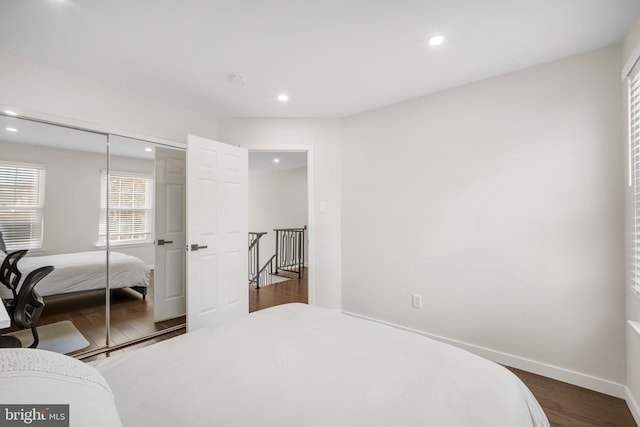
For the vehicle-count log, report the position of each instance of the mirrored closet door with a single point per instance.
(50, 207)
(108, 213)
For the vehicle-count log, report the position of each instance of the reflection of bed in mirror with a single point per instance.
(85, 271)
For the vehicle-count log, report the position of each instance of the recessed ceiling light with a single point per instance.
(276, 160)
(436, 40)
(12, 129)
(148, 149)
(283, 98)
(10, 113)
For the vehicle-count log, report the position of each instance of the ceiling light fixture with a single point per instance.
(12, 129)
(436, 40)
(10, 113)
(237, 79)
(283, 98)
(148, 149)
(276, 160)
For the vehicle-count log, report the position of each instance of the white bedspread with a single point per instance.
(39, 377)
(296, 365)
(83, 271)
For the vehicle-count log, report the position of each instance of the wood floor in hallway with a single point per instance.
(293, 290)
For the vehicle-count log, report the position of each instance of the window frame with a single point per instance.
(148, 210)
(36, 242)
(633, 129)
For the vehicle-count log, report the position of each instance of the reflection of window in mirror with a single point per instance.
(130, 215)
(65, 219)
(22, 187)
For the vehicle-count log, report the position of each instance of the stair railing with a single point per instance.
(290, 249)
(254, 256)
(265, 275)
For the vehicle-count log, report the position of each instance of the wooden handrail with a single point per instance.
(290, 229)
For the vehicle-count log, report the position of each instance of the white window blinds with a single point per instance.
(21, 205)
(130, 208)
(634, 171)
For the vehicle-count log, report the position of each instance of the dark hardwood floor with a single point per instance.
(566, 405)
(131, 317)
(293, 290)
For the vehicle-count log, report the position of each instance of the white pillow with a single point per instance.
(39, 377)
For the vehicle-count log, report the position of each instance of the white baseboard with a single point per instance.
(561, 374)
(632, 404)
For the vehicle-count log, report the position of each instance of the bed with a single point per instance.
(85, 271)
(297, 365)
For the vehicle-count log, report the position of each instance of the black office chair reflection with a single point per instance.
(10, 275)
(28, 308)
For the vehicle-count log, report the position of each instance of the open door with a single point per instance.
(170, 230)
(217, 227)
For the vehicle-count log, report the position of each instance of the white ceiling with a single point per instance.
(263, 161)
(332, 57)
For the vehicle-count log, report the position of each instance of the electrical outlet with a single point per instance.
(416, 301)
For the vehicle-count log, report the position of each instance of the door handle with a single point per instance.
(195, 247)
(164, 242)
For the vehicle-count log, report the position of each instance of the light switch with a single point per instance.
(416, 301)
(323, 207)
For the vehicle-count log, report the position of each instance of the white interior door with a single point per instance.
(169, 279)
(217, 226)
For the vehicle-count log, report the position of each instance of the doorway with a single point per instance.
(280, 198)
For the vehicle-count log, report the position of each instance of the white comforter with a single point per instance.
(83, 271)
(32, 377)
(296, 365)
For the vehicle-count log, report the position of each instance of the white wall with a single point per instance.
(324, 137)
(501, 203)
(631, 42)
(72, 195)
(35, 87)
(277, 200)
